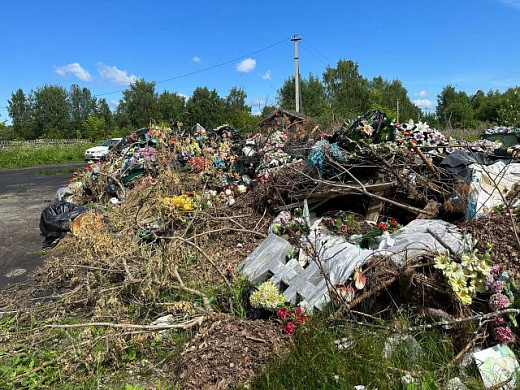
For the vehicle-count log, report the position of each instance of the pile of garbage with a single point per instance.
(502, 130)
(373, 216)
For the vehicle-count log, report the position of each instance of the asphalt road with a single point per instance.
(24, 193)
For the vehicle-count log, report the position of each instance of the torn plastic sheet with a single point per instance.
(490, 184)
(339, 258)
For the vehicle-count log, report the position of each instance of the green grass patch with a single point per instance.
(36, 155)
(315, 362)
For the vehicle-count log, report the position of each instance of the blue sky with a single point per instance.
(472, 44)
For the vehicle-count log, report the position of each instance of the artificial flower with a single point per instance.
(441, 261)
(267, 296)
(499, 301)
(497, 287)
(464, 297)
(289, 328)
(504, 334)
(359, 279)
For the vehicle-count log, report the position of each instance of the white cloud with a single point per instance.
(423, 103)
(421, 94)
(186, 97)
(196, 59)
(267, 75)
(114, 103)
(511, 3)
(75, 69)
(256, 112)
(258, 102)
(247, 65)
(115, 75)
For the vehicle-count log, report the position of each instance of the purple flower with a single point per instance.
(495, 269)
(503, 334)
(497, 287)
(499, 302)
(489, 280)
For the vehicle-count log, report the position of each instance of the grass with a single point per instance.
(36, 155)
(314, 362)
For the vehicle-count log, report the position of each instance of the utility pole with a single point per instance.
(295, 39)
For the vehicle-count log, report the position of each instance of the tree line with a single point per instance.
(457, 109)
(52, 111)
(341, 94)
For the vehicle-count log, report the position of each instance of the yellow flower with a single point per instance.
(458, 283)
(465, 260)
(464, 297)
(454, 270)
(469, 273)
(441, 261)
(483, 267)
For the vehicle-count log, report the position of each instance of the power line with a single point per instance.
(314, 55)
(319, 52)
(200, 70)
(205, 69)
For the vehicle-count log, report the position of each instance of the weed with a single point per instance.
(35, 155)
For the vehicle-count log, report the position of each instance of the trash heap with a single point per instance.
(375, 216)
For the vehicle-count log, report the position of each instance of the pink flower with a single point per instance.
(298, 311)
(489, 280)
(289, 328)
(344, 229)
(499, 321)
(283, 314)
(503, 334)
(499, 302)
(495, 269)
(498, 286)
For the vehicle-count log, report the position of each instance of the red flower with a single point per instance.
(344, 229)
(134, 137)
(190, 193)
(298, 311)
(393, 223)
(172, 140)
(302, 320)
(289, 328)
(382, 226)
(329, 222)
(283, 314)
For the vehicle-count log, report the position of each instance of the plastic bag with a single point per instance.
(56, 218)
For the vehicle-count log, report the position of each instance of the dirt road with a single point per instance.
(24, 193)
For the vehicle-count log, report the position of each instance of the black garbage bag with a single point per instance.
(56, 218)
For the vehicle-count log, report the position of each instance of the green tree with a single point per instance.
(81, 106)
(313, 98)
(19, 110)
(206, 107)
(237, 112)
(454, 108)
(384, 95)
(138, 105)
(172, 107)
(50, 110)
(509, 111)
(94, 128)
(103, 111)
(346, 90)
